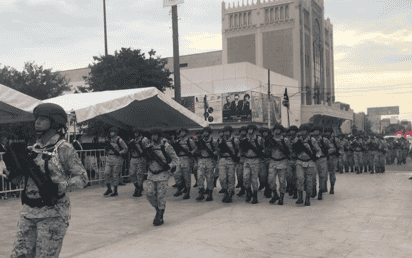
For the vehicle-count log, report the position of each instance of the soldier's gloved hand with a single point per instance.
(117, 153)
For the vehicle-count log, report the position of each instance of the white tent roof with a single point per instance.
(16, 106)
(144, 108)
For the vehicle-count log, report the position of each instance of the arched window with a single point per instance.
(271, 14)
(240, 20)
(235, 20)
(287, 12)
(231, 21)
(317, 57)
(282, 13)
(249, 18)
(277, 14)
(244, 19)
(266, 15)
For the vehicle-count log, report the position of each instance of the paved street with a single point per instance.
(369, 216)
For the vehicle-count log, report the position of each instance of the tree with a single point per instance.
(34, 81)
(127, 69)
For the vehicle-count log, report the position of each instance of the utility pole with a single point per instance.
(176, 62)
(269, 99)
(105, 29)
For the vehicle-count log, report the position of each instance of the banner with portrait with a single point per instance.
(209, 107)
(275, 109)
(237, 106)
(257, 106)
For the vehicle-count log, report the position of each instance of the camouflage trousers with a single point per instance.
(388, 157)
(137, 170)
(342, 161)
(195, 167)
(156, 193)
(399, 155)
(239, 170)
(322, 170)
(250, 173)
(393, 155)
(206, 171)
(227, 173)
(183, 174)
(373, 158)
(381, 160)
(40, 237)
(332, 165)
(112, 173)
(263, 172)
(350, 160)
(304, 177)
(291, 172)
(365, 159)
(358, 159)
(278, 169)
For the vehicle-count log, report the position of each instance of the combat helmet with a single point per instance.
(278, 126)
(305, 126)
(54, 112)
(228, 128)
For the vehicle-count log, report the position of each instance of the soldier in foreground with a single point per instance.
(228, 150)
(334, 155)
(239, 166)
(305, 163)
(162, 161)
(263, 173)
(252, 146)
(138, 161)
(185, 148)
(322, 146)
(116, 150)
(291, 171)
(46, 207)
(207, 163)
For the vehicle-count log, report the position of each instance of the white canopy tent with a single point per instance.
(144, 108)
(16, 106)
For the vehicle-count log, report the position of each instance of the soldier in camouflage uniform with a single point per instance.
(114, 161)
(388, 155)
(398, 151)
(291, 170)
(350, 155)
(240, 165)
(207, 163)
(263, 173)
(357, 146)
(322, 162)
(252, 146)
(383, 148)
(365, 154)
(196, 157)
(334, 154)
(158, 175)
(280, 149)
(216, 170)
(228, 150)
(42, 226)
(138, 162)
(306, 153)
(185, 148)
(405, 149)
(343, 157)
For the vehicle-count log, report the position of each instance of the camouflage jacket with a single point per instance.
(155, 166)
(66, 169)
(141, 143)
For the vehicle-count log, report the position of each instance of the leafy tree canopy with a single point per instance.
(34, 81)
(127, 69)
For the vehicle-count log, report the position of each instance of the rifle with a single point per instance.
(272, 143)
(133, 146)
(202, 145)
(116, 152)
(179, 148)
(247, 145)
(152, 155)
(323, 148)
(21, 163)
(223, 146)
(299, 147)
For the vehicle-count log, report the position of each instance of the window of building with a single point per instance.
(183, 65)
(235, 20)
(272, 18)
(249, 18)
(244, 19)
(317, 54)
(231, 21)
(266, 15)
(287, 12)
(240, 20)
(282, 13)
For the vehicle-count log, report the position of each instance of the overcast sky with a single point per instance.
(373, 39)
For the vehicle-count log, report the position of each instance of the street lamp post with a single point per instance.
(105, 28)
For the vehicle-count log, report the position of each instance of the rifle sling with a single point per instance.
(228, 150)
(282, 148)
(255, 150)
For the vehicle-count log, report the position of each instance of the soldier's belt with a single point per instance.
(205, 157)
(136, 157)
(357, 151)
(307, 160)
(278, 159)
(255, 157)
(37, 203)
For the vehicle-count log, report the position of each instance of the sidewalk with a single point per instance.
(368, 216)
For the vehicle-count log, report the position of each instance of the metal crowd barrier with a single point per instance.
(94, 162)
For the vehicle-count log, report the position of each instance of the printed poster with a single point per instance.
(275, 109)
(237, 106)
(257, 106)
(209, 107)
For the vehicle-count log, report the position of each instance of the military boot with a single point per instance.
(209, 196)
(346, 169)
(254, 200)
(161, 213)
(290, 192)
(114, 192)
(273, 200)
(320, 195)
(295, 192)
(179, 191)
(156, 218)
(187, 194)
(332, 189)
(307, 199)
(201, 195)
(281, 198)
(300, 197)
(314, 193)
(267, 193)
(195, 184)
(214, 181)
(222, 190)
(366, 169)
(225, 196)
(352, 169)
(108, 191)
(261, 185)
(248, 194)
(229, 197)
(287, 187)
(242, 191)
(174, 186)
(136, 191)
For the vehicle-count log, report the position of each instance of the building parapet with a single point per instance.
(328, 111)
